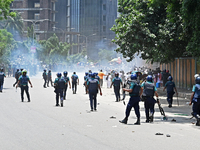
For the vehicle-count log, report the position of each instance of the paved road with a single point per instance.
(40, 125)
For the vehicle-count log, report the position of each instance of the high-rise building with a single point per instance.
(40, 13)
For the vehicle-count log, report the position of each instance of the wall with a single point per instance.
(183, 71)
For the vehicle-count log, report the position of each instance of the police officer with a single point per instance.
(23, 82)
(75, 81)
(92, 86)
(59, 85)
(44, 75)
(116, 82)
(2, 76)
(49, 77)
(85, 81)
(148, 96)
(170, 90)
(135, 92)
(16, 77)
(195, 99)
(97, 77)
(65, 73)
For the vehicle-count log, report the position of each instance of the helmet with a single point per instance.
(17, 69)
(197, 80)
(116, 74)
(86, 73)
(96, 73)
(24, 71)
(170, 78)
(49, 70)
(65, 73)
(44, 70)
(149, 78)
(93, 74)
(133, 77)
(59, 74)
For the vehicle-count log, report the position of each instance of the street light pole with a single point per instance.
(34, 22)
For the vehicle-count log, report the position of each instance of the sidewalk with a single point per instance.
(183, 93)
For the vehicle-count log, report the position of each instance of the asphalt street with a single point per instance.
(39, 125)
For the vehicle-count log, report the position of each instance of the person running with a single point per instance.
(135, 92)
(23, 82)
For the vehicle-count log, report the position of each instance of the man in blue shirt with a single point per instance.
(135, 92)
(2, 76)
(195, 99)
(93, 86)
(170, 90)
(44, 75)
(49, 78)
(116, 82)
(23, 82)
(75, 81)
(65, 73)
(148, 96)
(59, 84)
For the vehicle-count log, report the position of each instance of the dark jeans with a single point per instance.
(24, 88)
(149, 104)
(45, 82)
(59, 92)
(50, 81)
(196, 108)
(1, 85)
(93, 98)
(16, 81)
(74, 86)
(65, 91)
(170, 97)
(133, 102)
(117, 93)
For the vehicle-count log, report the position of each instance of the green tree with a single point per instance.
(5, 9)
(105, 55)
(152, 28)
(14, 24)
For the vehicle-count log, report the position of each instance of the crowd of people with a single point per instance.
(140, 83)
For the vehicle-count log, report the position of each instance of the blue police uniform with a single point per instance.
(60, 82)
(170, 92)
(66, 86)
(149, 102)
(49, 77)
(93, 89)
(2, 75)
(45, 78)
(196, 100)
(23, 82)
(133, 101)
(116, 83)
(74, 83)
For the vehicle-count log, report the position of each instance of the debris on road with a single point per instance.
(173, 120)
(112, 117)
(159, 133)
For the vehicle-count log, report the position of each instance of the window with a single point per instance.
(104, 28)
(36, 5)
(37, 16)
(104, 6)
(37, 26)
(104, 17)
(37, 36)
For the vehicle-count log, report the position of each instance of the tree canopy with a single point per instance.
(160, 30)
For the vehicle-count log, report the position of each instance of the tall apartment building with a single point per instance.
(92, 19)
(38, 12)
